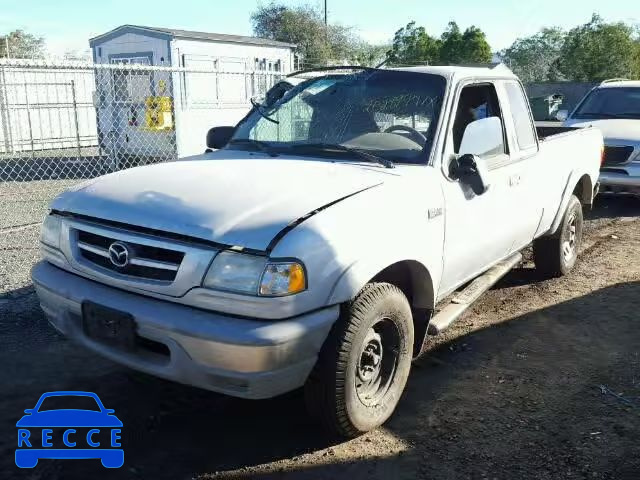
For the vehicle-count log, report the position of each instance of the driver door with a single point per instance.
(477, 227)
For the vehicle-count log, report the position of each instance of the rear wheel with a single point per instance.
(556, 255)
(363, 366)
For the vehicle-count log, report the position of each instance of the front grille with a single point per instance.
(144, 261)
(614, 155)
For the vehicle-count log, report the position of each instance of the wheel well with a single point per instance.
(416, 283)
(584, 190)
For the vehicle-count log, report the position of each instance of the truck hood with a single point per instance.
(244, 201)
(618, 132)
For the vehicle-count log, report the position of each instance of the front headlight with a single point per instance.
(283, 278)
(253, 275)
(50, 232)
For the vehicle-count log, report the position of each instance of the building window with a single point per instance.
(201, 85)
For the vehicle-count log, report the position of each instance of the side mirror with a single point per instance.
(29, 411)
(109, 411)
(483, 137)
(471, 170)
(218, 137)
(562, 115)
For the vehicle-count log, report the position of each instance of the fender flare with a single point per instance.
(359, 273)
(569, 188)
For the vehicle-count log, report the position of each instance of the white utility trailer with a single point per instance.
(188, 82)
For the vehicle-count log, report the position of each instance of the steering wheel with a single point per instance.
(415, 135)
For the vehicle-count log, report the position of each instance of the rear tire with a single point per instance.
(556, 255)
(363, 365)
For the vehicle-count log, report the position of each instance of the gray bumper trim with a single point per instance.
(619, 179)
(240, 357)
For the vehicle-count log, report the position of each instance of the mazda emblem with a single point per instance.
(119, 254)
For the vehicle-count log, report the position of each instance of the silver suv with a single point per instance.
(614, 108)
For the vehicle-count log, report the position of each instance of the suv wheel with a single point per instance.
(363, 365)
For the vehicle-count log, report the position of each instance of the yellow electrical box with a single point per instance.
(158, 113)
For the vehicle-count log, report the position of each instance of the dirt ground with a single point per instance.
(541, 380)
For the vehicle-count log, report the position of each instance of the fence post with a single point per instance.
(75, 116)
(5, 116)
(26, 100)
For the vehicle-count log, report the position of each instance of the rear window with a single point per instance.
(520, 116)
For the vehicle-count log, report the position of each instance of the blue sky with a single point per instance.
(67, 24)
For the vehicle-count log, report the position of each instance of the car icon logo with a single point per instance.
(69, 433)
(119, 254)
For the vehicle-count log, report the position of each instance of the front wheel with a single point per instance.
(363, 365)
(556, 255)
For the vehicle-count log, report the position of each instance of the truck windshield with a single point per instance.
(616, 102)
(388, 114)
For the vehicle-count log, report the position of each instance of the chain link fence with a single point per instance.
(64, 123)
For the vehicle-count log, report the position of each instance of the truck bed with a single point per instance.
(545, 132)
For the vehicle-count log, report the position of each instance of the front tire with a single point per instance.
(363, 365)
(556, 255)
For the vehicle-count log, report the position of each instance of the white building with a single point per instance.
(238, 68)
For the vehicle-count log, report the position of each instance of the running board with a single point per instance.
(464, 299)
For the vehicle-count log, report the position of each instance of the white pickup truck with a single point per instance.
(324, 241)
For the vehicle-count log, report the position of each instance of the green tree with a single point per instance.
(597, 50)
(452, 47)
(475, 48)
(412, 45)
(536, 58)
(304, 26)
(19, 44)
(470, 46)
(369, 55)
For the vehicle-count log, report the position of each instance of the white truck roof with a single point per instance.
(619, 83)
(451, 72)
(458, 72)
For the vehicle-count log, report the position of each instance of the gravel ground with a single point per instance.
(27, 186)
(23, 205)
(540, 380)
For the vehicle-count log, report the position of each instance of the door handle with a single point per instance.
(514, 180)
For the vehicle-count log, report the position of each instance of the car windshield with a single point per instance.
(388, 114)
(616, 102)
(69, 402)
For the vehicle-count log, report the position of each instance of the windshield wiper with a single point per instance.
(258, 108)
(369, 157)
(262, 146)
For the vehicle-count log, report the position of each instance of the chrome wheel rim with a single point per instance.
(377, 361)
(570, 243)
